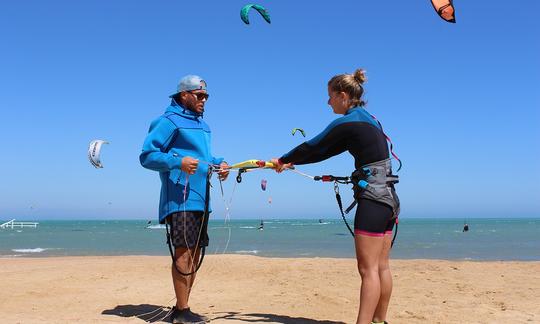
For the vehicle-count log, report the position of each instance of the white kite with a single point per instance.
(94, 151)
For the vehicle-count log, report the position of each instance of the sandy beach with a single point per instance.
(249, 289)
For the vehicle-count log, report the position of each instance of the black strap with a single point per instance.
(203, 250)
(351, 206)
(340, 205)
(395, 234)
(204, 229)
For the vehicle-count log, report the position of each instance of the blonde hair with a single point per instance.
(350, 84)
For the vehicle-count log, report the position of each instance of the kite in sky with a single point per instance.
(94, 153)
(299, 130)
(244, 13)
(445, 10)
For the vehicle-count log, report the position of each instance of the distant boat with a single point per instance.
(157, 226)
(13, 224)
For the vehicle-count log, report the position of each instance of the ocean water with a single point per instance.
(487, 239)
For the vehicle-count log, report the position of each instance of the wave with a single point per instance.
(218, 227)
(36, 250)
(247, 251)
(160, 226)
(310, 224)
(248, 227)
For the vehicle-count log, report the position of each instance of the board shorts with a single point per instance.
(373, 218)
(188, 230)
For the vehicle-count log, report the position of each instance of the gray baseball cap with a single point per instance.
(190, 83)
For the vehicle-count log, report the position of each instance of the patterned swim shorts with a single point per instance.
(188, 229)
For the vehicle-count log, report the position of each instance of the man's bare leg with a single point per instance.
(185, 262)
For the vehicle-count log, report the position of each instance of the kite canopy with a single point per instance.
(300, 130)
(445, 10)
(244, 13)
(94, 152)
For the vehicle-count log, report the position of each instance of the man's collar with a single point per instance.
(185, 110)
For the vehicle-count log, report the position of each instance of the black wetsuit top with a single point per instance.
(356, 132)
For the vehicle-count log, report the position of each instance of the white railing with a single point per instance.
(13, 224)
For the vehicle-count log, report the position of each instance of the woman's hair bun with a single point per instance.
(360, 76)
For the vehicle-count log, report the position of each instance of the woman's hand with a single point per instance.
(280, 167)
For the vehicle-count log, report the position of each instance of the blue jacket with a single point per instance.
(178, 133)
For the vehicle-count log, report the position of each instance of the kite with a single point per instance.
(94, 152)
(300, 130)
(244, 13)
(445, 10)
(263, 184)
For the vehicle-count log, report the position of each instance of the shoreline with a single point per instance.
(35, 256)
(244, 288)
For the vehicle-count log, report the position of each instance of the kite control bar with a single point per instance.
(251, 165)
(248, 165)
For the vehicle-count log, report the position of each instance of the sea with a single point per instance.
(486, 239)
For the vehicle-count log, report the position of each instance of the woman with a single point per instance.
(378, 206)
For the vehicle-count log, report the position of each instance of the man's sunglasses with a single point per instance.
(200, 95)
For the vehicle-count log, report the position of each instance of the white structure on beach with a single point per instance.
(13, 224)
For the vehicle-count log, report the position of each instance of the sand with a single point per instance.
(248, 289)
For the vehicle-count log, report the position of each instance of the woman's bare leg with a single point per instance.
(368, 252)
(385, 277)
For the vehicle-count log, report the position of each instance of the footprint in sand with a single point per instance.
(413, 315)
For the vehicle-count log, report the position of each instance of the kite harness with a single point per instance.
(373, 181)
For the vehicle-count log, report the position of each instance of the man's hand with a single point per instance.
(224, 173)
(280, 167)
(189, 165)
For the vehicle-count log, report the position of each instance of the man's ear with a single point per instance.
(181, 97)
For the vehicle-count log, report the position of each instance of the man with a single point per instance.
(178, 147)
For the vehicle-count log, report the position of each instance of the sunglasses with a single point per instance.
(200, 95)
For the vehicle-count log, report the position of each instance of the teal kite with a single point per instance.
(244, 13)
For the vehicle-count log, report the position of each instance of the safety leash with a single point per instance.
(337, 181)
(204, 227)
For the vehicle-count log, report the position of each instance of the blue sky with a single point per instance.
(461, 102)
